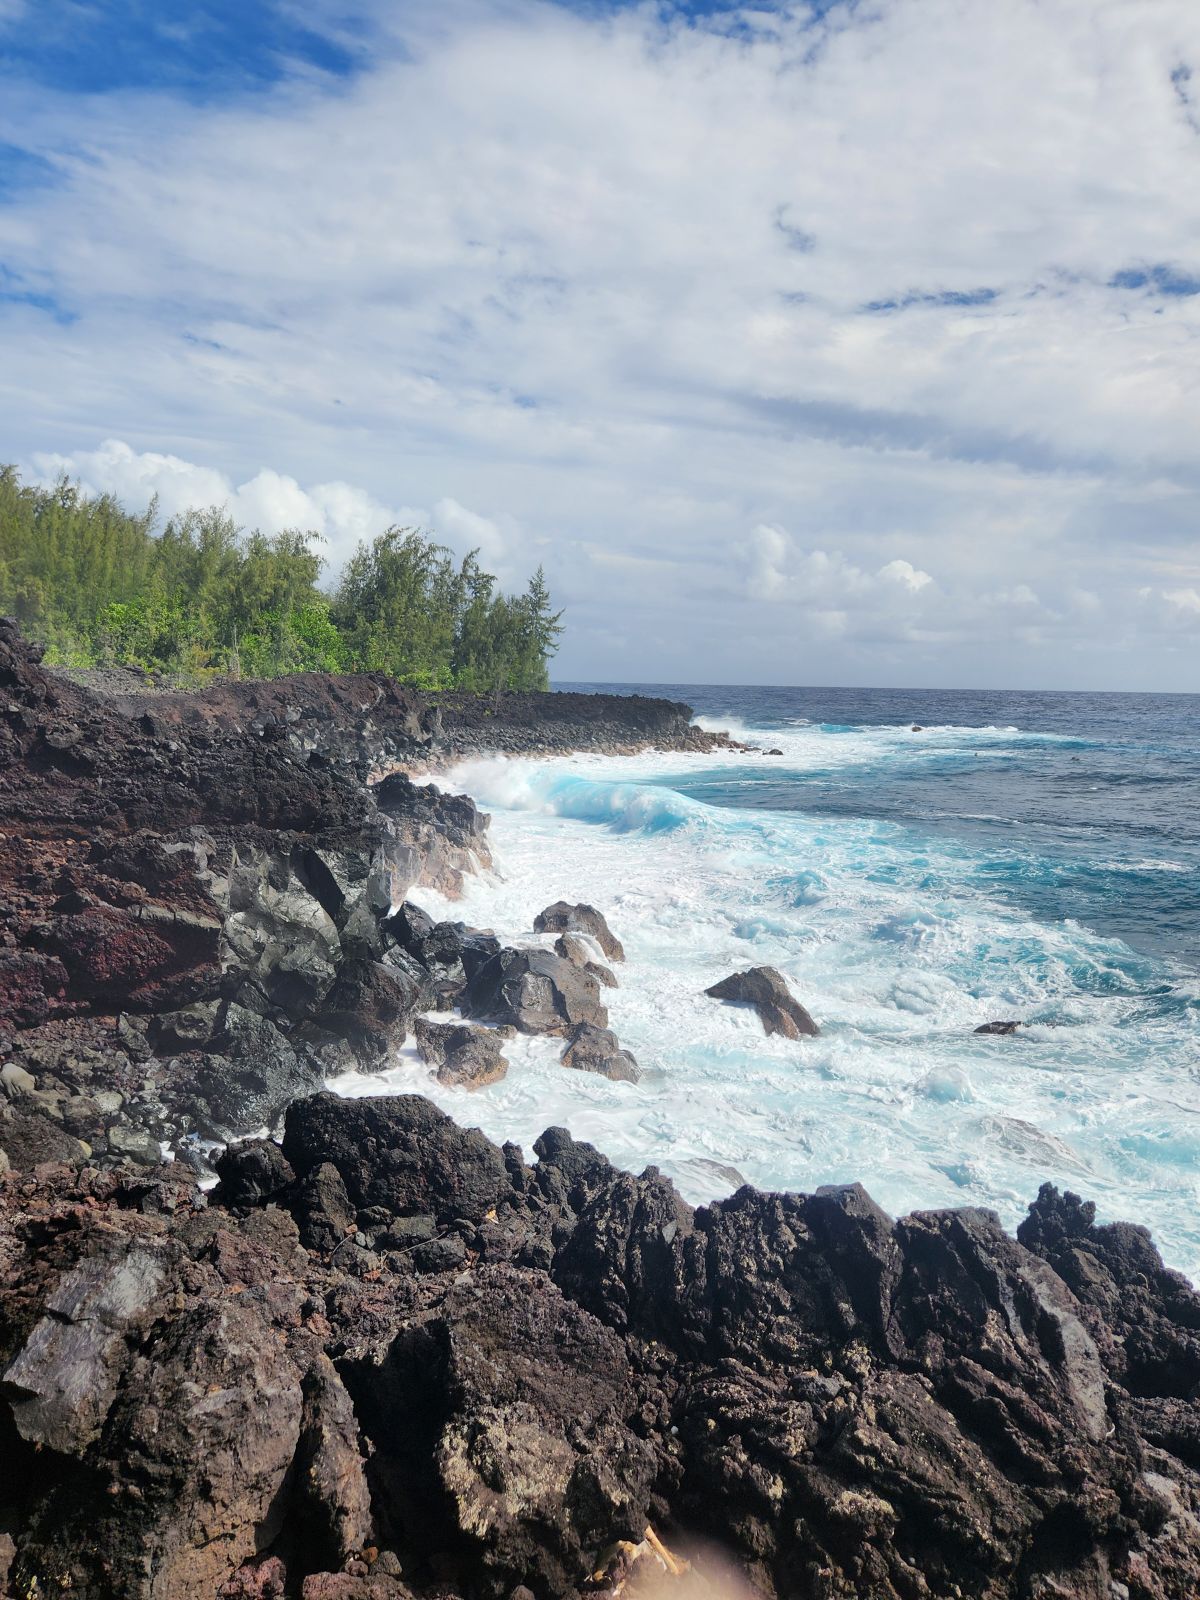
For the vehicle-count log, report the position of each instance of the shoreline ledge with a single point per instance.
(386, 1357)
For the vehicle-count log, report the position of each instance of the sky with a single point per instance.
(827, 342)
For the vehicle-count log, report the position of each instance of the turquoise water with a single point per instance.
(1026, 857)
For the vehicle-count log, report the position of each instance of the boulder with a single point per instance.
(524, 1402)
(535, 991)
(998, 1027)
(251, 1172)
(399, 1152)
(369, 1006)
(765, 990)
(577, 949)
(594, 1049)
(466, 1056)
(562, 917)
(248, 1083)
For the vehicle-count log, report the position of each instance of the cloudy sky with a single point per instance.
(846, 341)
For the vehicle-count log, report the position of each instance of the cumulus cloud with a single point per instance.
(649, 288)
(340, 513)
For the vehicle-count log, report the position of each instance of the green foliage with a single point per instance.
(100, 587)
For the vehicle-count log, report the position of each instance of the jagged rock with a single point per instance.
(249, 1083)
(470, 1057)
(334, 1501)
(765, 990)
(564, 918)
(524, 1400)
(66, 1375)
(575, 948)
(399, 1152)
(534, 991)
(322, 1208)
(370, 1007)
(252, 1172)
(594, 1049)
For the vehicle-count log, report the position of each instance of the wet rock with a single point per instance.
(598, 1050)
(534, 991)
(399, 1152)
(470, 1057)
(564, 918)
(577, 949)
(998, 1027)
(766, 990)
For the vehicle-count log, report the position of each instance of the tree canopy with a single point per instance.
(100, 586)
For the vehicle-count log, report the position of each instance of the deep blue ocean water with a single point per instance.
(1072, 805)
(1025, 857)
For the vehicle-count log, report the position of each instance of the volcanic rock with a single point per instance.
(399, 1152)
(765, 990)
(534, 991)
(593, 1049)
(466, 1056)
(577, 949)
(564, 918)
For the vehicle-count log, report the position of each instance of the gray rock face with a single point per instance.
(248, 1082)
(598, 1050)
(470, 1057)
(67, 1373)
(765, 990)
(534, 991)
(562, 917)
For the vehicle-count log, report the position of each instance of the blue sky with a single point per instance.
(800, 342)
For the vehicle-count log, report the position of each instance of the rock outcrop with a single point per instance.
(564, 918)
(391, 1359)
(593, 1049)
(534, 991)
(768, 993)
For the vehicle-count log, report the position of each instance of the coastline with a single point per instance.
(441, 1369)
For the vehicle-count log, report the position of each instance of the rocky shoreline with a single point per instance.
(387, 1358)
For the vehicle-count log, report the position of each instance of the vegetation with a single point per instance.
(100, 587)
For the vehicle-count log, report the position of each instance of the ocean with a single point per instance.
(1023, 856)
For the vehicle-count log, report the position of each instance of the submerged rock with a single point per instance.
(765, 990)
(998, 1027)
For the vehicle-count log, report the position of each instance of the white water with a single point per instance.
(896, 959)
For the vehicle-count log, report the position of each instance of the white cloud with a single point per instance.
(607, 278)
(270, 501)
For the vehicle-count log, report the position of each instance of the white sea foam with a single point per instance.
(894, 953)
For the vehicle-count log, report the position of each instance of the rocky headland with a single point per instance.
(384, 1357)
